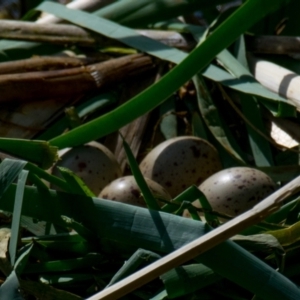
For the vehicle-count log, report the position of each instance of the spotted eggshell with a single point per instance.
(235, 190)
(180, 162)
(93, 163)
(126, 190)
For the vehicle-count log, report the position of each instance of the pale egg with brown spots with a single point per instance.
(95, 164)
(235, 190)
(179, 162)
(126, 190)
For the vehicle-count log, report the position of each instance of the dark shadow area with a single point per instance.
(241, 80)
(285, 83)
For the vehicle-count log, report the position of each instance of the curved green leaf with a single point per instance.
(159, 92)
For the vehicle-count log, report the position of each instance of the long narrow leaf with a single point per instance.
(9, 170)
(287, 236)
(157, 93)
(187, 279)
(10, 289)
(39, 152)
(88, 261)
(125, 226)
(214, 122)
(140, 13)
(46, 176)
(75, 183)
(260, 146)
(145, 190)
(140, 257)
(17, 215)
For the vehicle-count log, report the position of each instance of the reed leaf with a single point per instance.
(214, 122)
(42, 174)
(15, 226)
(287, 236)
(84, 232)
(140, 13)
(75, 183)
(168, 84)
(141, 182)
(10, 289)
(188, 279)
(62, 242)
(260, 146)
(126, 228)
(9, 171)
(138, 259)
(271, 100)
(38, 152)
(176, 56)
(87, 261)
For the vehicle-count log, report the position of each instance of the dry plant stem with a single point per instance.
(51, 84)
(200, 245)
(171, 38)
(87, 5)
(30, 118)
(71, 34)
(277, 79)
(51, 33)
(273, 44)
(134, 131)
(44, 63)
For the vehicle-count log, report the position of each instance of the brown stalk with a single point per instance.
(273, 44)
(70, 82)
(44, 63)
(51, 33)
(71, 34)
(134, 131)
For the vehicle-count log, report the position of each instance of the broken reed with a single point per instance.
(71, 82)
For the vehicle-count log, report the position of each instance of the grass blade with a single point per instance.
(62, 242)
(287, 236)
(75, 183)
(17, 215)
(38, 152)
(187, 279)
(88, 261)
(10, 289)
(214, 122)
(9, 170)
(113, 30)
(163, 233)
(140, 257)
(232, 28)
(142, 12)
(145, 190)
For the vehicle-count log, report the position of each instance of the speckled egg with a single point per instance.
(235, 190)
(126, 190)
(93, 163)
(180, 162)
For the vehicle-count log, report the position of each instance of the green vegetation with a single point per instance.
(73, 244)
